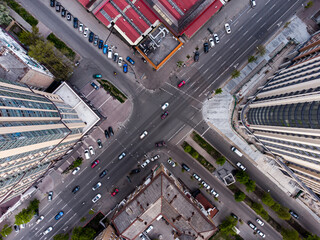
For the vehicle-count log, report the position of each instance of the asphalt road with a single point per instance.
(248, 31)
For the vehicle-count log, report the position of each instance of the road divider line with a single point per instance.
(273, 6)
(166, 91)
(259, 19)
(205, 131)
(206, 70)
(283, 15)
(210, 75)
(232, 45)
(176, 132)
(267, 2)
(240, 28)
(245, 33)
(254, 15)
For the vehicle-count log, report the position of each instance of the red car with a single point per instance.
(164, 115)
(115, 192)
(160, 144)
(95, 163)
(181, 84)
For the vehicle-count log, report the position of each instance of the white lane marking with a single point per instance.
(210, 75)
(227, 41)
(104, 102)
(206, 70)
(232, 45)
(273, 6)
(267, 2)
(214, 53)
(245, 33)
(201, 66)
(219, 58)
(259, 19)
(249, 38)
(205, 131)
(176, 132)
(240, 28)
(254, 15)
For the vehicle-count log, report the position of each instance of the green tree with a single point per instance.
(218, 91)
(250, 185)
(275, 207)
(267, 199)
(239, 196)
(261, 50)
(188, 149)
(290, 234)
(242, 177)
(61, 236)
(6, 230)
(5, 18)
(257, 207)
(195, 155)
(283, 213)
(30, 38)
(235, 74)
(34, 204)
(309, 4)
(24, 216)
(227, 225)
(80, 233)
(221, 160)
(313, 237)
(252, 59)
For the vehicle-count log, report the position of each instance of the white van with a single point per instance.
(110, 53)
(236, 151)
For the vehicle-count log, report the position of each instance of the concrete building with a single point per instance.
(160, 209)
(16, 65)
(36, 128)
(284, 117)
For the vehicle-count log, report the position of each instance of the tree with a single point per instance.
(242, 177)
(24, 216)
(290, 234)
(250, 185)
(275, 207)
(61, 236)
(283, 213)
(235, 74)
(30, 38)
(309, 4)
(252, 59)
(221, 160)
(187, 149)
(218, 91)
(227, 225)
(261, 50)
(5, 18)
(313, 237)
(239, 196)
(34, 204)
(80, 233)
(6, 230)
(195, 155)
(267, 199)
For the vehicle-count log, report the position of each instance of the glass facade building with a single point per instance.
(36, 128)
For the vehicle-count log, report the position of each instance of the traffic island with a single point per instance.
(112, 90)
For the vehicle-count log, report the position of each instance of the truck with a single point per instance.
(236, 151)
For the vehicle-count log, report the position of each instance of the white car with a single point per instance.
(122, 155)
(239, 164)
(81, 27)
(145, 133)
(49, 229)
(216, 38)
(260, 221)
(39, 219)
(92, 152)
(211, 41)
(145, 163)
(74, 172)
(156, 157)
(227, 27)
(120, 60)
(86, 154)
(149, 229)
(95, 187)
(261, 234)
(205, 185)
(86, 32)
(214, 193)
(96, 198)
(196, 177)
(172, 163)
(164, 106)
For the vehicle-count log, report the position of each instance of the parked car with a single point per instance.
(75, 23)
(211, 41)
(181, 84)
(234, 216)
(130, 60)
(100, 45)
(77, 169)
(216, 38)
(143, 135)
(52, 3)
(16, 228)
(69, 16)
(149, 229)
(110, 53)
(80, 27)
(50, 196)
(122, 155)
(145, 163)
(106, 133)
(115, 57)
(49, 229)
(293, 214)
(227, 27)
(63, 12)
(91, 35)
(86, 154)
(96, 198)
(172, 163)
(23, 225)
(97, 76)
(252, 225)
(76, 189)
(253, 3)
(196, 56)
(120, 60)
(96, 186)
(164, 106)
(115, 191)
(95, 163)
(92, 152)
(95, 41)
(164, 115)
(239, 165)
(259, 221)
(125, 68)
(196, 177)
(85, 32)
(214, 193)
(59, 215)
(58, 7)
(156, 157)
(136, 170)
(185, 167)
(110, 131)
(99, 143)
(95, 86)
(206, 47)
(103, 173)
(261, 233)
(105, 49)
(160, 144)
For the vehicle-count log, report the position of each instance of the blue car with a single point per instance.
(100, 44)
(59, 215)
(105, 49)
(125, 68)
(95, 86)
(91, 35)
(130, 60)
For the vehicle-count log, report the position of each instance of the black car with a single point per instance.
(99, 143)
(111, 131)
(96, 39)
(102, 174)
(106, 133)
(160, 144)
(58, 7)
(36, 212)
(91, 35)
(206, 47)
(185, 167)
(196, 56)
(63, 12)
(234, 216)
(76, 189)
(136, 170)
(52, 3)
(100, 44)
(75, 23)
(69, 16)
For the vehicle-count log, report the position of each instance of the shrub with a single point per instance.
(221, 160)
(275, 207)
(61, 46)
(268, 200)
(242, 177)
(309, 4)
(239, 196)
(283, 213)
(250, 185)
(195, 155)
(235, 74)
(22, 12)
(290, 234)
(252, 59)
(187, 149)
(218, 91)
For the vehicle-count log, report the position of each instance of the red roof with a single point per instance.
(202, 19)
(121, 4)
(207, 205)
(146, 11)
(170, 9)
(127, 29)
(84, 2)
(185, 5)
(140, 23)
